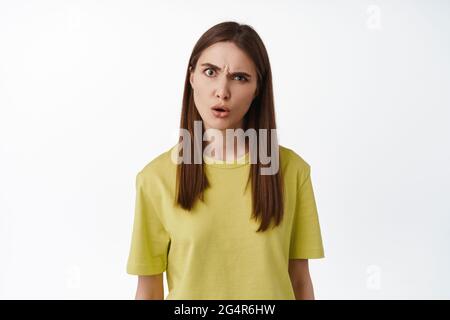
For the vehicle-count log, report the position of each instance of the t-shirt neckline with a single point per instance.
(229, 164)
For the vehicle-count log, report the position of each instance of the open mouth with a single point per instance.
(220, 112)
(221, 109)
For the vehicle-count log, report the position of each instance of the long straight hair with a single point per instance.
(267, 190)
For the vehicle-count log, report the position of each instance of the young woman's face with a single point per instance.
(224, 76)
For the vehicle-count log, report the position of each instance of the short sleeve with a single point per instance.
(306, 238)
(150, 240)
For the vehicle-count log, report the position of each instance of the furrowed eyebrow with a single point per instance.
(212, 66)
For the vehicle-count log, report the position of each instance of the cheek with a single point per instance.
(244, 96)
(202, 88)
(200, 92)
(202, 82)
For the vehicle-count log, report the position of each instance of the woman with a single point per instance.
(221, 228)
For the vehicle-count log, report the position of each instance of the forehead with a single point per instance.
(227, 54)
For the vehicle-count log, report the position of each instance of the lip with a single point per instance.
(221, 107)
(218, 113)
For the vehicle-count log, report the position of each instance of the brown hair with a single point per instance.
(267, 190)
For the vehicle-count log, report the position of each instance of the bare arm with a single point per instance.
(150, 287)
(301, 279)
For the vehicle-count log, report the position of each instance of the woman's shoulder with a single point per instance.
(291, 159)
(160, 164)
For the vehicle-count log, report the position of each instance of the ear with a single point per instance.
(191, 76)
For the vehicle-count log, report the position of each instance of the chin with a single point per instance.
(219, 124)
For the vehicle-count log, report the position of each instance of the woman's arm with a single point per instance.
(301, 279)
(150, 287)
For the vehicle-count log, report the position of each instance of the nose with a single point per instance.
(222, 90)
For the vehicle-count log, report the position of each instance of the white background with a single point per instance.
(90, 91)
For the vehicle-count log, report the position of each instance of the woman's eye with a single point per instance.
(243, 78)
(209, 70)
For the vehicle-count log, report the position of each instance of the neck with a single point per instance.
(229, 152)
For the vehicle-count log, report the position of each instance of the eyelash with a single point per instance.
(244, 77)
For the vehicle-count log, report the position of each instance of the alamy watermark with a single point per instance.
(258, 144)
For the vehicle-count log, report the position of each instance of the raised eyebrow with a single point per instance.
(218, 68)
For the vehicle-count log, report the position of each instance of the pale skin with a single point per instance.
(150, 287)
(225, 75)
(223, 83)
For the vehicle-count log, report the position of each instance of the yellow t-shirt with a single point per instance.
(214, 252)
